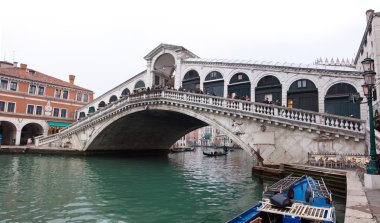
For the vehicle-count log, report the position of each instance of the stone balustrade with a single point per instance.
(330, 123)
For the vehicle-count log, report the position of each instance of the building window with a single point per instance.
(56, 112)
(57, 93)
(2, 106)
(13, 86)
(11, 107)
(65, 94)
(63, 113)
(32, 89)
(85, 97)
(41, 90)
(38, 110)
(4, 85)
(30, 110)
(79, 96)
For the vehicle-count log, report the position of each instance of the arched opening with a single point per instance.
(139, 86)
(240, 86)
(82, 115)
(268, 87)
(113, 98)
(214, 84)
(30, 131)
(125, 92)
(337, 101)
(303, 94)
(191, 81)
(101, 104)
(163, 70)
(91, 109)
(7, 133)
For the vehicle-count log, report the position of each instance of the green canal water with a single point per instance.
(182, 187)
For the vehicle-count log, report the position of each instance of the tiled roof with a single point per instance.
(38, 77)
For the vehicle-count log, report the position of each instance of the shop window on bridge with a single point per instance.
(214, 84)
(239, 86)
(191, 81)
(82, 115)
(269, 85)
(337, 101)
(113, 98)
(303, 94)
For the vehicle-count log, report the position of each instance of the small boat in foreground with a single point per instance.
(292, 200)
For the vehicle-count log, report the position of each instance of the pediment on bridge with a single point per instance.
(180, 50)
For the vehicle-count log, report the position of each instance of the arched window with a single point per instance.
(214, 84)
(91, 109)
(191, 81)
(239, 86)
(125, 92)
(337, 100)
(101, 104)
(113, 98)
(268, 87)
(303, 94)
(139, 84)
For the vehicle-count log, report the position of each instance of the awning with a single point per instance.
(58, 124)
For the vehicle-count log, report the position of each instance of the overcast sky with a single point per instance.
(103, 42)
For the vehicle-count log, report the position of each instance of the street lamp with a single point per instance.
(368, 87)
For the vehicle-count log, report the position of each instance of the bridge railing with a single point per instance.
(226, 104)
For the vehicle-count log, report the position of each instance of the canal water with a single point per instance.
(182, 187)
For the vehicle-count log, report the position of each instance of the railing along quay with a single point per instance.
(334, 124)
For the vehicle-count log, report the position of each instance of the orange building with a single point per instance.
(33, 103)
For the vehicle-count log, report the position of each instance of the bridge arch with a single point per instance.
(190, 116)
(7, 133)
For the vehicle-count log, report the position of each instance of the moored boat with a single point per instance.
(292, 200)
(215, 151)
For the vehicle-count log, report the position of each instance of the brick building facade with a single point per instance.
(33, 103)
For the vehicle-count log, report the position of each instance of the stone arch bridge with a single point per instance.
(155, 120)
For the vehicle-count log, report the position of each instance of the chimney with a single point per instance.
(23, 70)
(72, 79)
(369, 13)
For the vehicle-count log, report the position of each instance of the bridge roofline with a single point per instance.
(277, 65)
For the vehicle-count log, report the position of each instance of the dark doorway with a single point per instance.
(303, 94)
(113, 98)
(125, 92)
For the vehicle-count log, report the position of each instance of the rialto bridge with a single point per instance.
(310, 111)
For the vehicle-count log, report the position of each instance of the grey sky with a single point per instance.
(103, 42)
